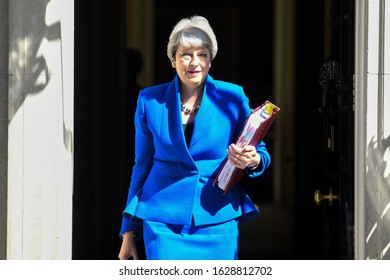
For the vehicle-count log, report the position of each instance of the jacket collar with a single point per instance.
(202, 119)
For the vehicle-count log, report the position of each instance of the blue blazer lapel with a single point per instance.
(175, 124)
(205, 115)
(174, 114)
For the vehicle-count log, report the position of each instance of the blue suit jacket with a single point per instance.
(171, 183)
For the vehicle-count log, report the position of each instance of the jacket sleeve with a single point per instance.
(144, 152)
(264, 163)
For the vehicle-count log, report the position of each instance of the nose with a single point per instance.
(195, 60)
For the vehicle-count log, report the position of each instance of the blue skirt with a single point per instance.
(190, 242)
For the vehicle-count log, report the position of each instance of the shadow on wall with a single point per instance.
(378, 178)
(29, 70)
(28, 67)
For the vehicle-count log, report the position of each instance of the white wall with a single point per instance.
(40, 134)
(372, 172)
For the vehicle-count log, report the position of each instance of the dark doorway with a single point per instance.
(324, 140)
(101, 172)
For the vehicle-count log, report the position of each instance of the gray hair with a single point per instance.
(192, 32)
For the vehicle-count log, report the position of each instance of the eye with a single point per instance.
(203, 56)
(186, 55)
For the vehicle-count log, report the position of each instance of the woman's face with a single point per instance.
(192, 65)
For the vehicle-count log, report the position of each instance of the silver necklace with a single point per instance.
(189, 110)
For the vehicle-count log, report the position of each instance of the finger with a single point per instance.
(233, 154)
(233, 147)
(234, 158)
(239, 163)
(250, 151)
(249, 148)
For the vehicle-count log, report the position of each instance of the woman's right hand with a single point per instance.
(129, 247)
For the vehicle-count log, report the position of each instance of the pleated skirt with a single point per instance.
(190, 242)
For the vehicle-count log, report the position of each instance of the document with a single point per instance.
(253, 132)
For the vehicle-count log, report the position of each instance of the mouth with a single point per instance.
(194, 72)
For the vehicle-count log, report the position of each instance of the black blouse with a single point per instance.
(188, 130)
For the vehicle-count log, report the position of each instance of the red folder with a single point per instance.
(253, 132)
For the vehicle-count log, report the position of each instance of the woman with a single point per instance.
(184, 131)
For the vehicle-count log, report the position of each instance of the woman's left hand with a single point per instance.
(245, 157)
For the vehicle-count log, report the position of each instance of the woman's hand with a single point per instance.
(245, 157)
(129, 247)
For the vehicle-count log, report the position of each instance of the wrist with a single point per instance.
(253, 167)
(129, 235)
